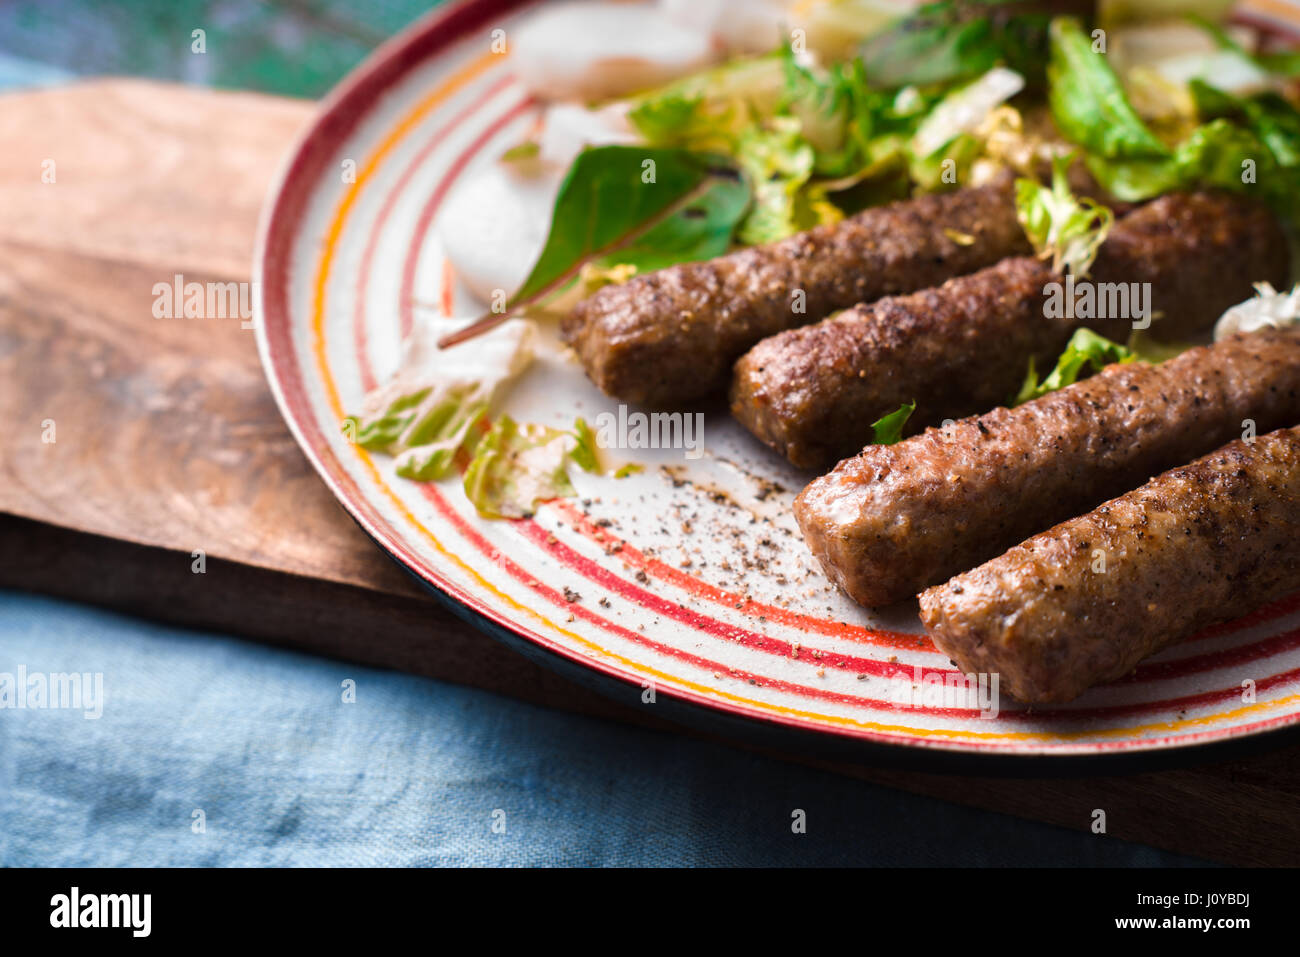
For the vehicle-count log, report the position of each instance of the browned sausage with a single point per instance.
(1086, 601)
(897, 518)
(812, 393)
(963, 347)
(672, 336)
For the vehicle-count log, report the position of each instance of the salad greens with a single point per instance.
(630, 205)
(432, 410)
(516, 467)
(706, 111)
(957, 40)
(1085, 349)
(426, 428)
(1060, 225)
(778, 162)
(1249, 145)
(1088, 100)
(1270, 117)
(806, 136)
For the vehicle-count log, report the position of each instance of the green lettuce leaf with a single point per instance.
(1272, 118)
(516, 467)
(1066, 228)
(1085, 349)
(1216, 154)
(1260, 134)
(888, 429)
(433, 408)
(1088, 102)
(778, 162)
(706, 111)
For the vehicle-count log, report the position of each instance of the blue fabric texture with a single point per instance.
(414, 772)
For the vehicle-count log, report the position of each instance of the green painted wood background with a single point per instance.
(292, 47)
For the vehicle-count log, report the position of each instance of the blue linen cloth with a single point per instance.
(415, 772)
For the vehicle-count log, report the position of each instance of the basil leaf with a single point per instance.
(607, 213)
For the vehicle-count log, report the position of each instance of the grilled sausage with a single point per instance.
(897, 518)
(812, 393)
(1086, 601)
(963, 347)
(672, 335)
(1220, 244)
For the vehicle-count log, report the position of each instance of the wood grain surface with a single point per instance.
(167, 442)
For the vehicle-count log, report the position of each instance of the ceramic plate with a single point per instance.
(687, 584)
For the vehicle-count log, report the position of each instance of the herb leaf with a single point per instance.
(1068, 229)
(888, 429)
(960, 39)
(1084, 349)
(516, 467)
(629, 206)
(607, 213)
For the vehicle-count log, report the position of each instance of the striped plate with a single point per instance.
(686, 586)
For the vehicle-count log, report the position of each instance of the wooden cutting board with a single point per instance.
(166, 443)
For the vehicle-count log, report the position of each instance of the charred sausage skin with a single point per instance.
(1084, 602)
(895, 519)
(812, 393)
(672, 336)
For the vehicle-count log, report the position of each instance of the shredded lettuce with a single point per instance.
(1267, 307)
(965, 109)
(888, 429)
(432, 408)
(1085, 349)
(708, 110)
(778, 163)
(516, 467)
(1067, 229)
